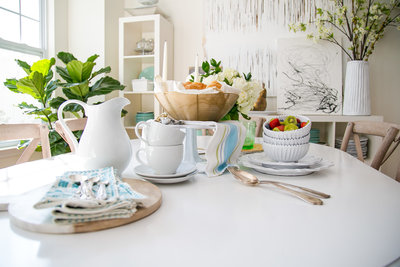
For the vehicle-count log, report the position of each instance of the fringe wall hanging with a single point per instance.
(243, 33)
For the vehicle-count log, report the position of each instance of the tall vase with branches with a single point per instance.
(361, 23)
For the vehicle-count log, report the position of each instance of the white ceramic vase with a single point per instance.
(357, 100)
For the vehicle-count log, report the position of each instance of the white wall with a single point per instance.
(86, 35)
(385, 86)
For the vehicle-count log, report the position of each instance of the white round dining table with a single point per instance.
(217, 221)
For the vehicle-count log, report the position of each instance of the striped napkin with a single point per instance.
(224, 147)
(69, 208)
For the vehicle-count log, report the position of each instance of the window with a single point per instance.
(22, 38)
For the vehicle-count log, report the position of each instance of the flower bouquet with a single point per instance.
(249, 89)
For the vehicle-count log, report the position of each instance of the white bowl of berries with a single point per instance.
(287, 127)
(285, 153)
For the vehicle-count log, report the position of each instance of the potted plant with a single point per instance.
(40, 85)
(362, 24)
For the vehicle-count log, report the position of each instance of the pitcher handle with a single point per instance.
(68, 131)
(139, 125)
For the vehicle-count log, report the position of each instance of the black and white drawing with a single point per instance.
(309, 77)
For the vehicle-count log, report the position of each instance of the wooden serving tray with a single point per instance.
(23, 215)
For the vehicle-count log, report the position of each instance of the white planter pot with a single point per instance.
(357, 100)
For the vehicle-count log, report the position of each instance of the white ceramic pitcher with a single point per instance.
(104, 141)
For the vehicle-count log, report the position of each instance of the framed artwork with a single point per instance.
(309, 77)
(243, 34)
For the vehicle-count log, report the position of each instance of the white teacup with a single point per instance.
(162, 159)
(158, 134)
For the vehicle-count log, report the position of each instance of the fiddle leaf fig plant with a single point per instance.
(40, 84)
(78, 77)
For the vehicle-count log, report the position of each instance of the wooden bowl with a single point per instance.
(197, 107)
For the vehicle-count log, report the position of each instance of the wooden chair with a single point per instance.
(39, 133)
(74, 125)
(259, 125)
(388, 131)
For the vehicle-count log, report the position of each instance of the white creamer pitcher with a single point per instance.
(104, 141)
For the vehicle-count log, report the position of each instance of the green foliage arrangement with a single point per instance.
(361, 22)
(39, 84)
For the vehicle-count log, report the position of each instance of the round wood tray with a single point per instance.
(23, 215)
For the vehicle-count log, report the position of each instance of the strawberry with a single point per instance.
(280, 128)
(298, 121)
(273, 123)
(303, 124)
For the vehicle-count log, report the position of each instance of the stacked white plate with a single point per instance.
(304, 166)
(184, 172)
(351, 148)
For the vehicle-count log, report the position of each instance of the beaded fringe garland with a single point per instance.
(243, 33)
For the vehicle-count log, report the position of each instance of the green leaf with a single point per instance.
(63, 72)
(205, 66)
(213, 63)
(56, 102)
(227, 82)
(25, 105)
(12, 85)
(80, 89)
(92, 58)
(32, 85)
(67, 92)
(65, 57)
(53, 85)
(104, 86)
(100, 71)
(75, 69)
(87, 70)
(191, 78)
(25, 66)
(42, 66)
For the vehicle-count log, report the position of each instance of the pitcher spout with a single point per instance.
(119, 101)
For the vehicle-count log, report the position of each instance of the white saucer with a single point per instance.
(323, 164)
(261, 159)
(170, 180)
(183, 170)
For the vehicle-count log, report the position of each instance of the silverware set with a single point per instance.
(85, 189)
(304, 193)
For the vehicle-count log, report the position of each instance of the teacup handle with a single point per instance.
(141, 124)
(138, 156)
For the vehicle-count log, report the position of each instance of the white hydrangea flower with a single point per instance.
(228, 73)
(249, 92)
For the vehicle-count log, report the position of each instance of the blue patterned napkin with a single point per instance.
(121, 200)
(225, 147)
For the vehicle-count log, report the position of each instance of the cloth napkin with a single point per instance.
(224, 147)
(68, 208)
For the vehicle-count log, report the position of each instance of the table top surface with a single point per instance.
(220, 222)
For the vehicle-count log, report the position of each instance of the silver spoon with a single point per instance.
(250, 179)
(102, 193)
(85, 188)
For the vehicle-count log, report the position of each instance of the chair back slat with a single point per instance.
(39, 133)
(388, 131)
(73, 125)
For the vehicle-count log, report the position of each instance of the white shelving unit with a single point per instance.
(332, 126)
(131, 30)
